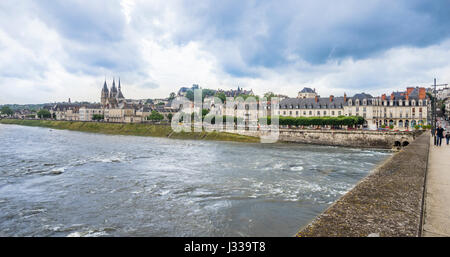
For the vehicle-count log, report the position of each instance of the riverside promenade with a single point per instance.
(387, 203)
(437, 198)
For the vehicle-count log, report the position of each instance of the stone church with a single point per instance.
(113, 97)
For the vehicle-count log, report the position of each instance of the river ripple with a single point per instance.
(65, 183)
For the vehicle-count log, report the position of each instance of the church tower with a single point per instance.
(104, 95)
(113, 95)
(120, 95)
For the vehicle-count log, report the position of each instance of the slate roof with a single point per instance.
(307, 90)
(310, 103)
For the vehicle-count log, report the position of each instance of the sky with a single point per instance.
(54, 50)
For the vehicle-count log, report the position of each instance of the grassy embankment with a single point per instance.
(131, 129)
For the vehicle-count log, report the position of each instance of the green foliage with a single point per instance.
(172, 96)
(155, 116)
(221, 96)
(205, 92)
(391, 126)
(98, 117)
(383, 126)
(6, 110)
(169, 116)
(44, 114)
(416, 127)
(269, 95)
(319, 121)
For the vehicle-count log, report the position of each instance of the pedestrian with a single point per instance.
(447, 136)
(439, 135)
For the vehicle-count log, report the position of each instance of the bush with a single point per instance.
(44, 114)
(155, 116)
(318, 121)
(98, 117)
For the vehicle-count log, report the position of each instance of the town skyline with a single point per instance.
(94, 95)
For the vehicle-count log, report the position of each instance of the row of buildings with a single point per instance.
(113, 107)
(403, 110)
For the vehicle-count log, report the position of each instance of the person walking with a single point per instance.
(447, 136)
(439, 135)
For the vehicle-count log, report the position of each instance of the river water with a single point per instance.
(66, 183)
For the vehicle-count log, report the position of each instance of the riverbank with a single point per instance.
(133, 129)
(386, 203)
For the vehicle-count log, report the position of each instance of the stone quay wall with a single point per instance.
(350, 138)
(387, 203)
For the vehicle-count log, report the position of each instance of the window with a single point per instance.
(310, 112)
(324, 112)
(332, 112)
(318, 113)
(339, 112)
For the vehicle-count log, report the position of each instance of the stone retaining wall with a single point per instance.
(388, 202)
(351, 138)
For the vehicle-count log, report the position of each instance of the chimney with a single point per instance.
(409, 90)
(422, 93)
(316, 99)
(345, 97)
(407, 97)
(392, 96)
(331, 98)
(383, 97)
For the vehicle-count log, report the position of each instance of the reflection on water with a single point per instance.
(65, 183)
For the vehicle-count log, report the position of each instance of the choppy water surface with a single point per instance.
(65, 183)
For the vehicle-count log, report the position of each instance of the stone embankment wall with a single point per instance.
(351, 138)
(386, 203)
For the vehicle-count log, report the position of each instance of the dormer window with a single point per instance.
(365, 102)
(350, 102)
(413, 103)
(357, 101)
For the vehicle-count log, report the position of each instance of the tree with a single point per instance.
(44, 114)
(155, 116)
(6, 110)
(98, 117)
(221, 96)
(269, 95)
(169, 116)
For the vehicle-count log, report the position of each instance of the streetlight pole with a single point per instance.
(434, 109)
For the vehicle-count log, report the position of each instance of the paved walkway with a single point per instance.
(437, 199)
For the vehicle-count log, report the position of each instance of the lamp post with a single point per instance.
(434, 109)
